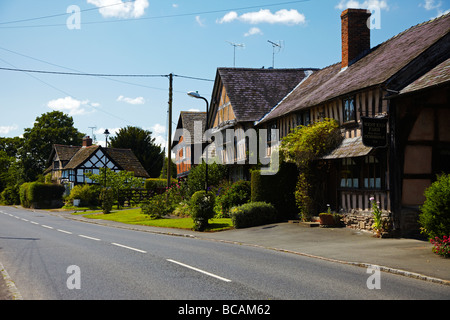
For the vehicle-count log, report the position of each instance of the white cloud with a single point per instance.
(8, 129)
(120, 9)
(282, 16)
(433, 4)
(253, 31)
(71, 106)
(158, 129)
(175, 5)
(138, 100)
(199, 21)
(367, 4)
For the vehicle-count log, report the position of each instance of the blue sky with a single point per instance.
(190, 38)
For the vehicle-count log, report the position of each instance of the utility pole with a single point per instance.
(169, 143)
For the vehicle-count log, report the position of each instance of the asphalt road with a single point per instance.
(49, 257)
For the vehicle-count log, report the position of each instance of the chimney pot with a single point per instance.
(355, 33)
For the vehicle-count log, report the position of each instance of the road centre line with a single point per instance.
(199, 270)
(83, 236)
(33, 222)
(127, 247)
(45, 226)
(63, 231)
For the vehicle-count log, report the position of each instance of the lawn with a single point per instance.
(134, 216)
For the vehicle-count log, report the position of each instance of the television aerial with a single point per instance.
(276, 46)
(241, 45)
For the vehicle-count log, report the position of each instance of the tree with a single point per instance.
(50, 128)
(142, 144)
(304, 146)
(116, 181)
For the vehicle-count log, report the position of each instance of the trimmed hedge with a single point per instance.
(253, 214)
(158, 185)
(277, 189)
(41, 195)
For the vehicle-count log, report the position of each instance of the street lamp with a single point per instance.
(106, 133)
(198, 96)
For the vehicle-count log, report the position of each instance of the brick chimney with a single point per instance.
(355, 34)
(87, 142)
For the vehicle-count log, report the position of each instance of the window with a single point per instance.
(372, 173)
(271, 133)
(303, 118)
(349, 173)
(349, 110)
(362, 173)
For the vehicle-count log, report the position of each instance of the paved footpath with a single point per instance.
(407, 257)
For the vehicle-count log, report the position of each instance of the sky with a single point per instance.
(187, 38)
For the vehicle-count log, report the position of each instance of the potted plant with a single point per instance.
(326, 219)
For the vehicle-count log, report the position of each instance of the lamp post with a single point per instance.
(198, 96)
(106, 133)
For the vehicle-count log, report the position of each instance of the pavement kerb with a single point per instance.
(10, 284)
(203, 236)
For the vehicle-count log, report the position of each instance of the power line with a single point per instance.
(152, 17)
(101, 74)
(64, 14)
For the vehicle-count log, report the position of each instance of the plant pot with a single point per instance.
(327, 220)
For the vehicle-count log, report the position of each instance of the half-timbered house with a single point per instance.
(240, 97)
(69, 164)
(188, 142)
(357, 88)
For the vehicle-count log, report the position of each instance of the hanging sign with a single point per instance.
(374, 132)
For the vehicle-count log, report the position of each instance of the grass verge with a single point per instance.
(134, 216)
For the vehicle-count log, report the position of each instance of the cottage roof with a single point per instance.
(185, 125)
(435, 77)
(377, 67)
(254, 92)
(124, 158)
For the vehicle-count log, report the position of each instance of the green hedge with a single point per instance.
(277, 189)
(253, 214)
(158, 185)
(41, 195)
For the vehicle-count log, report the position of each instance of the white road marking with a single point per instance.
(127, 247)
(24, 219)
(83, 236)
(199, 270)
(64, 231)
(48, 227)
(33, 222)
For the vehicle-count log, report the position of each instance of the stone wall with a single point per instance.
(363, 220)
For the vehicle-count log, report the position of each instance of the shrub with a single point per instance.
(202, 208)
(107, 199)
(158, 185)
(155, 208)
(89, 195)
(253, 214)
(10, 195)
(41, 195)
(435, 216)
(237, 194)
(277, 189)
(197, 176)
(182, 209)
(23, 194)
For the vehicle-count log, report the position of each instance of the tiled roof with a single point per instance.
(438, 75)
(376, 68)
(124, 158)
(186, 121)
(254, 92)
